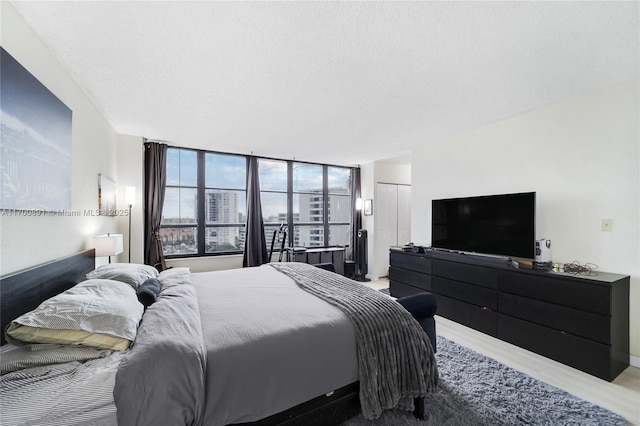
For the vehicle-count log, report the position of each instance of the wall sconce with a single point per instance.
(108, 245)
(130, 199)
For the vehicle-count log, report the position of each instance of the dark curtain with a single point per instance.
(255, 245)
(356, 219)
(155, 167)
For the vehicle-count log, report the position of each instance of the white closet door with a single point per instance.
(385, 211)
(404, 214)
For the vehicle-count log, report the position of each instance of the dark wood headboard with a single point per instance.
(23, 291)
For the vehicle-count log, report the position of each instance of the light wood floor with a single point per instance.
(622, 396)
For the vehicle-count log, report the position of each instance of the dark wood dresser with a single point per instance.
(578, 320)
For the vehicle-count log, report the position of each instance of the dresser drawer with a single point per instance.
(472, 274)
(398, 289)
(413, 278)
(483, 320)
(476, 295)
(410, 261)
(564, 291)
(573, 321)
(586, 355)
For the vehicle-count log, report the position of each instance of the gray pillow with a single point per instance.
(133, 274)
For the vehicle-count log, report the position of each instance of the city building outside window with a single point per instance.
(308, 205)
(273, 198)
(225, 202)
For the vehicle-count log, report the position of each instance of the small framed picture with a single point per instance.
(106, 195)
(368, 207)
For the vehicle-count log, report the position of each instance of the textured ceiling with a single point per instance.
(336, 82)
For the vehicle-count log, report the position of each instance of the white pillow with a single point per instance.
(96, 313)
(133, 274)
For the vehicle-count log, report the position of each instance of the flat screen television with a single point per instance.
(494, 224)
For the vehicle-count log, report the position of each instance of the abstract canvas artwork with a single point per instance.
(35, 142)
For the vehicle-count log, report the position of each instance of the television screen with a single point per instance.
(495, 224)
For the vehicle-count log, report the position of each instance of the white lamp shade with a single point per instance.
(130, 195)
(108, 245)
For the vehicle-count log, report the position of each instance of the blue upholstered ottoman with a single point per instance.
(423, 307)
(326, 266)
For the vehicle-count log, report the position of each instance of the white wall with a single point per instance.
(28, 241)
(582, 157)
(370, 175)
(130, 161)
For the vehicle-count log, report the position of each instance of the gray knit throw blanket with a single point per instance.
(395, 359)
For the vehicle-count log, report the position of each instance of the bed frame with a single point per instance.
(23, 291)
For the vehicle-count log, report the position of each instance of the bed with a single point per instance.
(248, 346)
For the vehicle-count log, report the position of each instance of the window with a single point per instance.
(225, 201)
(313, 201)
(308, 205)
(205, 206)
(273, 197)
(179, 231)
(339, 205)
(214, 184)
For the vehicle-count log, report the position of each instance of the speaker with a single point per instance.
(543, 253)
(361, 255)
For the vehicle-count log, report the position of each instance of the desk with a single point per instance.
(315, 255)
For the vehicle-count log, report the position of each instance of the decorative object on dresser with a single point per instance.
(543, 254)
(581, 321)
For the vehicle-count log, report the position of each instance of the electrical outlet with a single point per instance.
(607, 225)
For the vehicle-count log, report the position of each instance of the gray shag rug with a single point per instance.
(477, 390)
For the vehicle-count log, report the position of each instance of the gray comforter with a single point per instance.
(270, 344)
(161, 380)
(240, 345)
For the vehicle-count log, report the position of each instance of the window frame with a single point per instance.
(201, 191)
(184, 225)
(202, 170)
